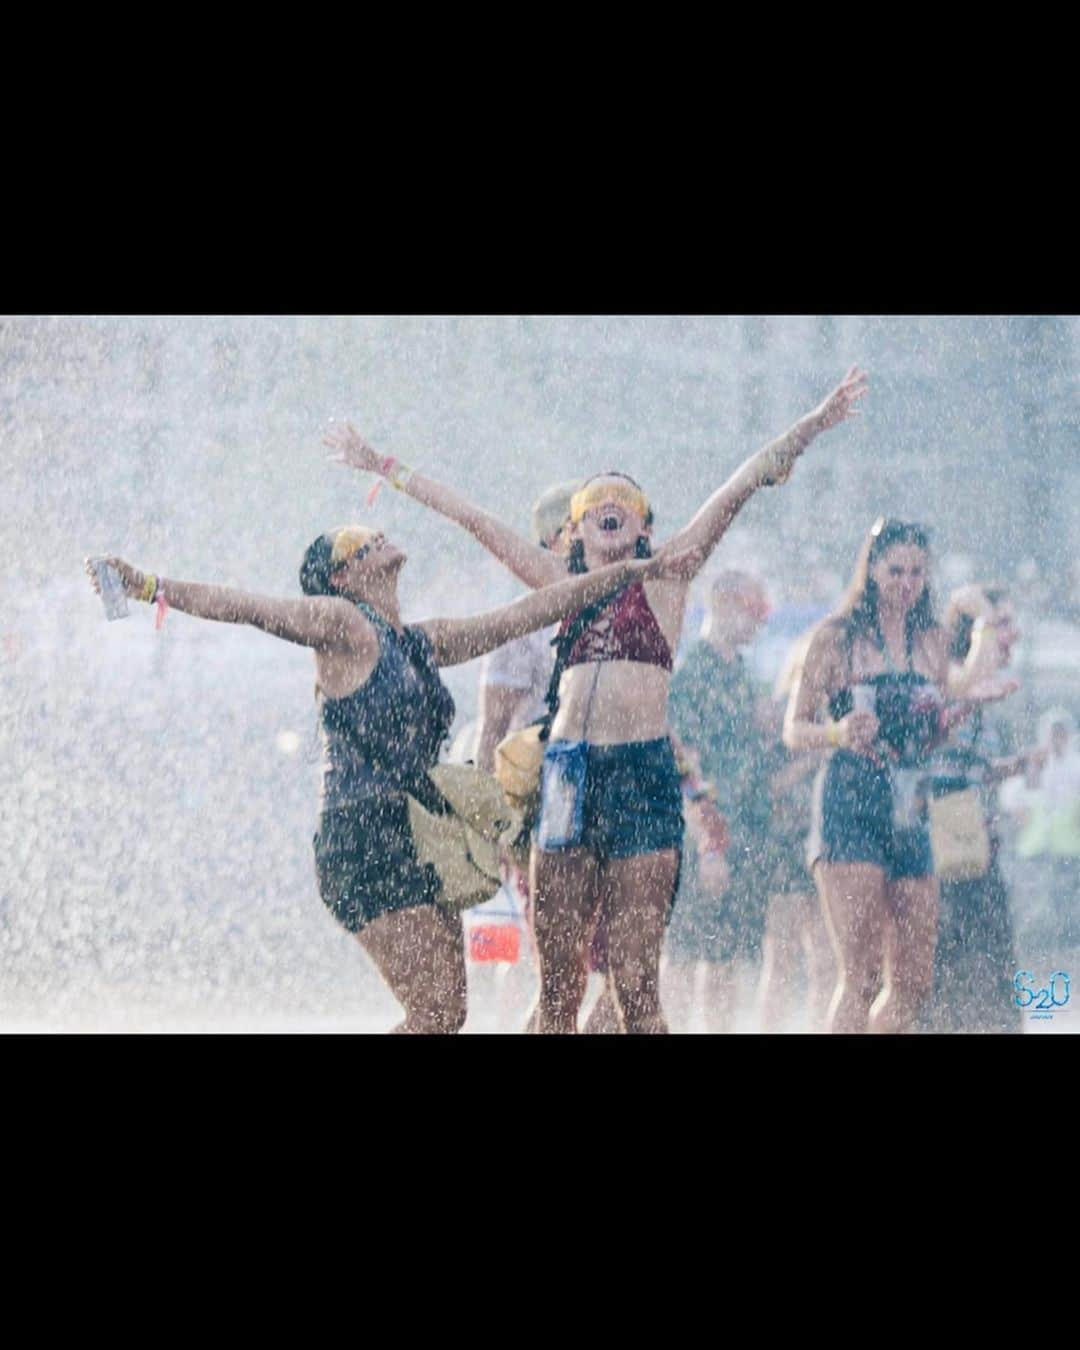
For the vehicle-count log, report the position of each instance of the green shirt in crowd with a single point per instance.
(712, 706)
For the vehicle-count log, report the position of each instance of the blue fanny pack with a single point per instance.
(562, 795)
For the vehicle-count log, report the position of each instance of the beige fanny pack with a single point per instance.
(463, 845)
(959, 838)
(518, 758)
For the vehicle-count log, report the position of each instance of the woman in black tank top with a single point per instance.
(385, 713)
(873, 690)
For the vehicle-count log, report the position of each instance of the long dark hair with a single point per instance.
(858, 614)
(575, 559)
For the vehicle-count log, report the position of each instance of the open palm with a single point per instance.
(840, 404)
(351, 447)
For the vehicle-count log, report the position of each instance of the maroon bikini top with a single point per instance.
(626, 630)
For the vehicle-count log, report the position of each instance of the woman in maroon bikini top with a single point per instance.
(616, 704)
(626, 630)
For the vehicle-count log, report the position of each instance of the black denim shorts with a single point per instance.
(633, 801)
(366, 864)
(853, 820)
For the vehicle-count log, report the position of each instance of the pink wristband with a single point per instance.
(162, 606)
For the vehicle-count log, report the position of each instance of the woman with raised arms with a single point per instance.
(384, 714)
(610, 827)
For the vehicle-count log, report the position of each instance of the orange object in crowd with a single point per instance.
(495, 942)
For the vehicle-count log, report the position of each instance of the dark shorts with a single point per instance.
(633, 801)
(853, 821)
(366, 864)
(599, 945)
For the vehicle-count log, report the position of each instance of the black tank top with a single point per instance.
(386, 734)
(907, 706)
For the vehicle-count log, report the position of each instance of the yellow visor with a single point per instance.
(348, 540)
(597, 494)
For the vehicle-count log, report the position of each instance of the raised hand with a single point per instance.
(971, 601)
(838, 406)
(779, 458)
(353, 450)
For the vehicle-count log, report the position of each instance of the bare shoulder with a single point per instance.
(344, 625)
(827, 647)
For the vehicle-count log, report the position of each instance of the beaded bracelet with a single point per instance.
(399, 474)
(392, 471)
(149, 590)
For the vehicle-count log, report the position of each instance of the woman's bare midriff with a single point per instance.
(612, 703)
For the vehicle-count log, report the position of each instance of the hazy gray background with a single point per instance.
(160, 788)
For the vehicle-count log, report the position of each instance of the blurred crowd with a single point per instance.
(748, 946)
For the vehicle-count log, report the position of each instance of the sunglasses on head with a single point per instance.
(887, 530)
(352, 542)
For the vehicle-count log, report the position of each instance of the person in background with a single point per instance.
(872, 691)
(513, 687)
(718, 920)
(795, 934)
(975, 958)
(1049, 833)
(514, 678)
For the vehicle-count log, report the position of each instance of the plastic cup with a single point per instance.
(112, 589)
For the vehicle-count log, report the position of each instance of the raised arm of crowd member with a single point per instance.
(769, 466)
(975, 617)
(529, 562)
(536, 566)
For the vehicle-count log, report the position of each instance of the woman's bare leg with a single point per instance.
(565, 893)
(420, 953)
(820, 964)
(780, 949)
(603, 1020)
(915, 906)
(853, 898)
(638, 893)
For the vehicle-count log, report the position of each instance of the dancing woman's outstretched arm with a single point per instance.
(332, 623)
(322, 622)
(530, 563)
(457, 640)
(771, 465)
